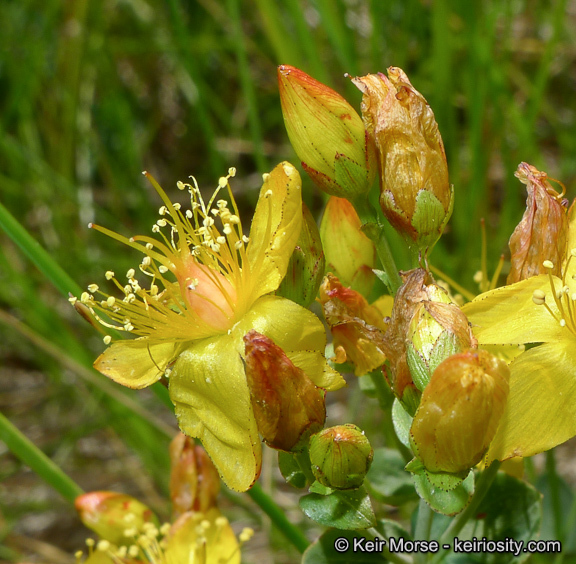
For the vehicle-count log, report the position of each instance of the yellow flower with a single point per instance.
(209, 286)
(195, 538)
(541, 408)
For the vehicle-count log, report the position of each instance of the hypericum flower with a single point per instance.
(194, 538)
(415, 194)
(541, 234)
(209, 284)
(541, 408)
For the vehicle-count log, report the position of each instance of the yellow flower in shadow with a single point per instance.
(538, 311)
(209, 285)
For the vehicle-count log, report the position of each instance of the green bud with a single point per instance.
(306, 266)
(340, 456)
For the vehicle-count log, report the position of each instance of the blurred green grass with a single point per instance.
(92, 93)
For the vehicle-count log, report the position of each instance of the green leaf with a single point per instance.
(446, 502)
(323, 550)
(387, 480)
(348, 510)
(512, 509)
(402, 423)
(291, 470)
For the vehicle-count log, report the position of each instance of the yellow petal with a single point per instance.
(541, 408)
(571, 238)
(136, 363)
(508, 315)
(209, 390)
(275, 229)
(298, 332)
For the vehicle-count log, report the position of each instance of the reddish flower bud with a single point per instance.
(287, 406)
(415, 194)
(460, 411)
(194, 480)
(327, 134)
(357, 327)
(542, 233)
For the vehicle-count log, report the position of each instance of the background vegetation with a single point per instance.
(92, 93)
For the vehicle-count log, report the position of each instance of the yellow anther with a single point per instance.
(539, 297)
(180, 185)
(130, 273)
(232, 171)
(107, 339)
(103, 546)
(238, 245)
(85, 298)
(163, 269)
(246, 534)
(109, 275)
(110, 301)
(149, 246)
(478, 277)
(234, 219)
(268, 193)
(72, 299)
(93, 288)
(548, 264)
(155, 229)
(162, 210)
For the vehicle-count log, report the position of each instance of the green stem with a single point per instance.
(554, 494)
(482, 486)
(423, 527)
(33, 457)
(375, 231)
(278, 517)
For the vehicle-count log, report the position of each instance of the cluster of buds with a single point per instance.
(396, 136)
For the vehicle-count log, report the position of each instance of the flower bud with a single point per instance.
(306, 266)
(350, 255)
(327, 135)
(110, 514)
(437, 330)
(357, 327)
(415, 194)
(194, 480)
(460, 411)
(287, 406)
(340, 456)
(542, 233)
(411, 351)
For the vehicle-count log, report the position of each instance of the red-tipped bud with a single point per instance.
(287, 406)
(327, 134)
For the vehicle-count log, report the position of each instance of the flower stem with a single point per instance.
(278, 517)
(422, 528)
(41, 464)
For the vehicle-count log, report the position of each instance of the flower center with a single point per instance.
(194, 269)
